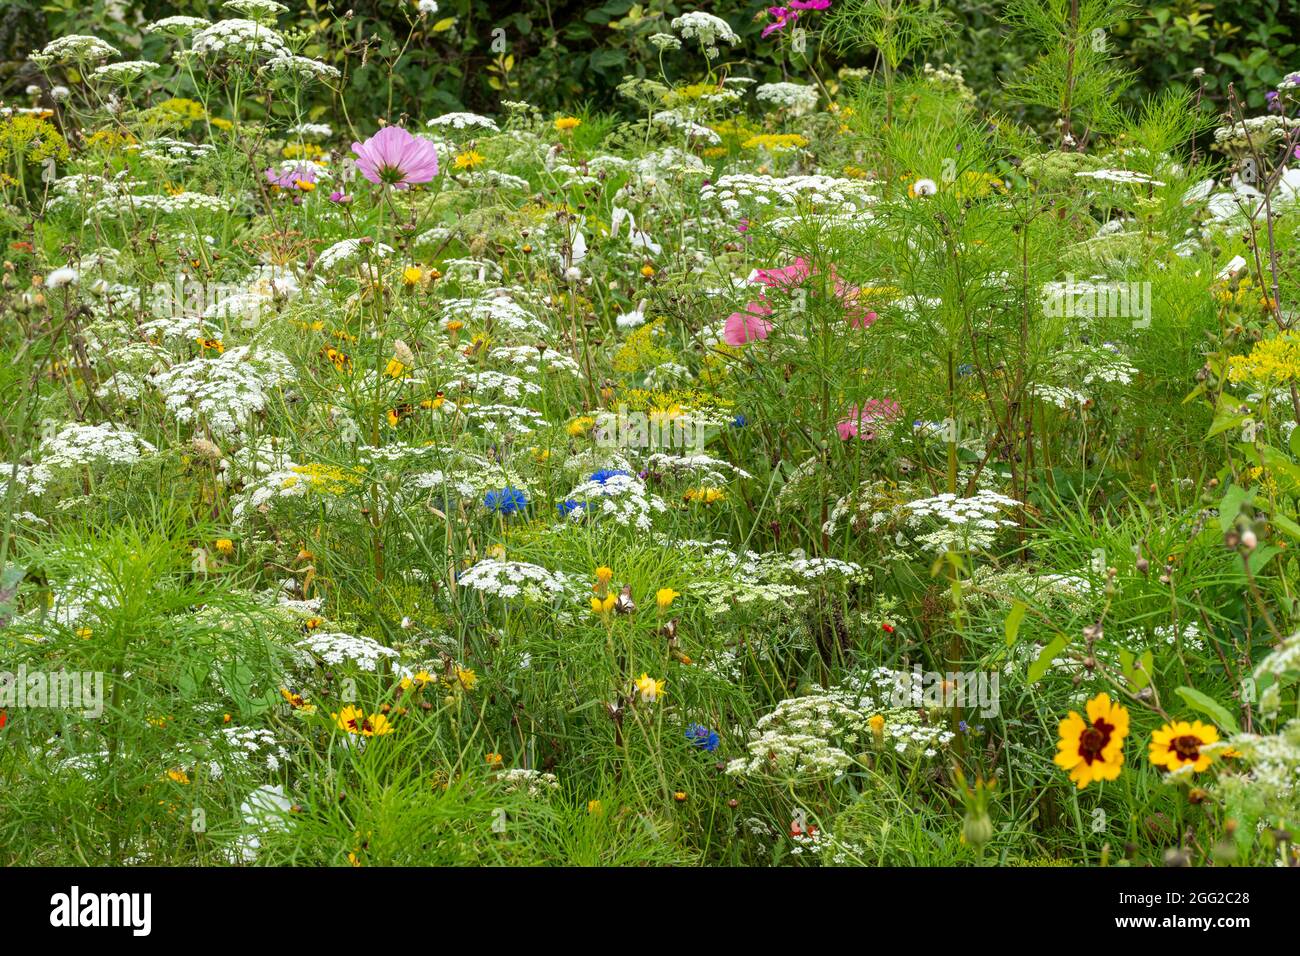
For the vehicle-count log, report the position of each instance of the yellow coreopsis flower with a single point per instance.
(225, 546)
(603, 605)
(412, 275)
(566, 123)
(353, 720)
(604, 575)
(665, 597)
(1179, 744)
(1093, 749)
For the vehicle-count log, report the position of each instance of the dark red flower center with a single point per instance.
(1188, 747)
(1094, 740)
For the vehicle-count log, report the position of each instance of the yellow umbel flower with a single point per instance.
(1274, 361)
(775, 142)
(1179, 744)
(1093, 749)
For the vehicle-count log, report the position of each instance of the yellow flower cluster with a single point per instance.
(327, 479)
(1272, 362)
(775, 142)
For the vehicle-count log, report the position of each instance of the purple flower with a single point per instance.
(341, 198)
(810, 4)
(782, 17)
(291, 177)
(394, 157)
(702, 737)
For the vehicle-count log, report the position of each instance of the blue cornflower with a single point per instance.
(702, 737)
(602, 476)
(566, 506)
(740, 421)
(506, 501)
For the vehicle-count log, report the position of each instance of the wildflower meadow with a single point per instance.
(790, 453)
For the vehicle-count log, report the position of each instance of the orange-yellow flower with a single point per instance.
(1093, 749)
(1180, 744)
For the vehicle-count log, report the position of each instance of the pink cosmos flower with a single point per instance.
(394, 157)
(748, 326)
(782, 17)
(791, 275)
(810, 4)
(861, 420)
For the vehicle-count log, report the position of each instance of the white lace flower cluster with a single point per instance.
(240, 751)
(183, 202)
(75, 445)
(968, 524)
(346, 250)
(502, 421)
(535, 783)
(497, 310)
(302, 67)
(797, 98)
(506, 386)
(704, 469)
(226, 391)
(827, 192)
(696, 132)
(74, 48)
(818, 735)
(463, 121)
(514, 579)
(177, 26)
(622, 499)
(123, 72)
(707, 29)
(171, 151)
(336, 647)
(235, 39)
(534, 361)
